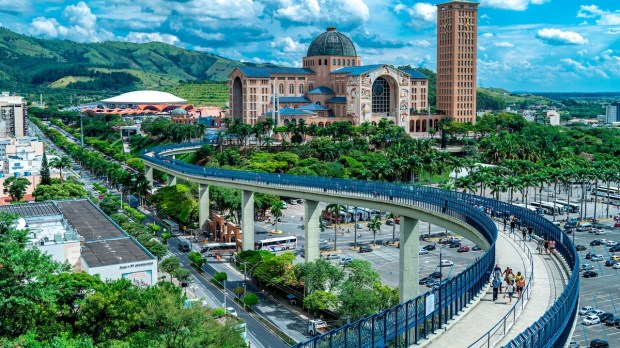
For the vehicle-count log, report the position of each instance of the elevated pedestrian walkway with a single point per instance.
(488, 323)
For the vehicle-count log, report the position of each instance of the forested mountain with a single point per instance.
(59, 68)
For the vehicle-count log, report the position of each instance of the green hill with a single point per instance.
(60, 68)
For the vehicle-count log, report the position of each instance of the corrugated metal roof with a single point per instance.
(268, 71)
(321, 90)
(113, 252)
(336, 100)
(415, 74)
(357, 70)
(88, 221)
(27, 210)
(292, 100)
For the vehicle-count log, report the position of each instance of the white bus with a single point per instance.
(603, 192)
(277, 243)
(570, 207)
(222, 249)
(171, 226)
(533, 209)
(550, 208)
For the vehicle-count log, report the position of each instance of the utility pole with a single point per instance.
(82, 129)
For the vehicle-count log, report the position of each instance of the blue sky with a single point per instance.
(524, 45)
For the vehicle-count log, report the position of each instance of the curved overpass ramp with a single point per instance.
(417, 316)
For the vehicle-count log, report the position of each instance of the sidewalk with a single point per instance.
(480, 317)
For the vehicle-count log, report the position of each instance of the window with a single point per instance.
(281, 89)
(348, 62)
(353, 62)
(325, 61)
(338, 61)
(301, 89)
(334, 61)
(381, 95)
(291, 89)
(310, 87)
(319, 62)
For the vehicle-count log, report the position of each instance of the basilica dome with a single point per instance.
(331, 43)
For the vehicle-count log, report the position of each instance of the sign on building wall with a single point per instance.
(142, 278)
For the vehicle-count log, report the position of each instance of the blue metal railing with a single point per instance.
(408, 323)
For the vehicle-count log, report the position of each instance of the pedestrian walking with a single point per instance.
(496, 284)
(510, 291)
(552, 246)
(530, 231)
(546, 245)
(540, 246)
(497, 274)
(520, 284)
(524, 233)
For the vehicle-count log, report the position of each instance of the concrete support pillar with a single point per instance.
(203, 205)
(247, 219)
(312, 230)
(148, 173)
(172, 180)
(409, 259)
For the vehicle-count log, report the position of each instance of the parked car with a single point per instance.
(600, 232)
(284, 205)
(605, 316)
(573, 344)
(611, 263)
(617, 224)
(587, 267)
(423, 280)
(397, 220)
(585, 310)
(389, 222)
(589, 255)
(445, 240)
(463, 249)
(365, 249)
(446, 263)
(596, 242)
(597, 343)
(476, 248)
(580, 247)
(332, 257)
(613, 321)
(454, 245)
(617, 266)
(597, 258)
(429, 247)
(422, 251)
(590, 274)
(591, 320)
(345, 260)
(611, 243)
(614, 248)
(596, 312)
(436, 274)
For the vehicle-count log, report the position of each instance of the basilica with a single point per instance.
(331, 86)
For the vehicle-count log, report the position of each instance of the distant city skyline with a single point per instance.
(523, 45)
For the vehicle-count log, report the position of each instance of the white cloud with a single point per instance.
(214, 9)
(47, 27)
(421, 14)
(80, 15)
(420, 43)
(503, 44)
(345, 13)
(481, 48)
(553, 36)
(487, 35)
(515, 5)
(287, 45)
(589, 11)
(609, 19)
(140, 37)
(82, 28)
(485, 16)
(582, 52)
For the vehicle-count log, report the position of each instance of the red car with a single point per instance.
(397, 221)
(617, 224)
(463, 249)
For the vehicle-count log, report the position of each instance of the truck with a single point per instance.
(318, 327)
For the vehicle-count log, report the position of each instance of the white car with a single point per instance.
(585, 310)
(232, 311)
(284, 205)
(446, 263)
(611, 243)
(600, 232)
(591, 320)
(422, 251)
(345, 260)
(597, 258)
(616, 266)
(332, 257)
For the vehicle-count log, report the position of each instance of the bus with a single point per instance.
(222, 249)
(533, 209)
(613, 192)
(550, 208)
(277, 243)
(570, 207)
(171, 226)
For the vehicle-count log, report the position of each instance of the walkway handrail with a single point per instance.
(485, 339)
(413, 320)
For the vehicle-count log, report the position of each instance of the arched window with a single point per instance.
(281, 88)
(310, 87)
(291, 89)
(337, 88)
(301, 89)
(380, 95)
(348, 62)
(325, 61)
(319, 62)
(353, 62)
(334, 61)
(342, 88)
(338, 61)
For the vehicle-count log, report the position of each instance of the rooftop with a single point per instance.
(88, 221)
(336, 100)
(113, 252)
(31, 210)
(415, 74)
(293, 100)
(357, 70)
(145, 97)
(321, 90)
(268, 71)
(331, 43)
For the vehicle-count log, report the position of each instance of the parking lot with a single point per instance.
(601, 292)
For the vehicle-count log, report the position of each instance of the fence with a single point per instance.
(412, 321)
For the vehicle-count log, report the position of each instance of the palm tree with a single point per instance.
(394, 217)
(276, 211)
(334, 209)
(374, 225)
(61, 163)
(466, 183)
(141, 186)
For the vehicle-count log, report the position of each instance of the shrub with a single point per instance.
(250, 299)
